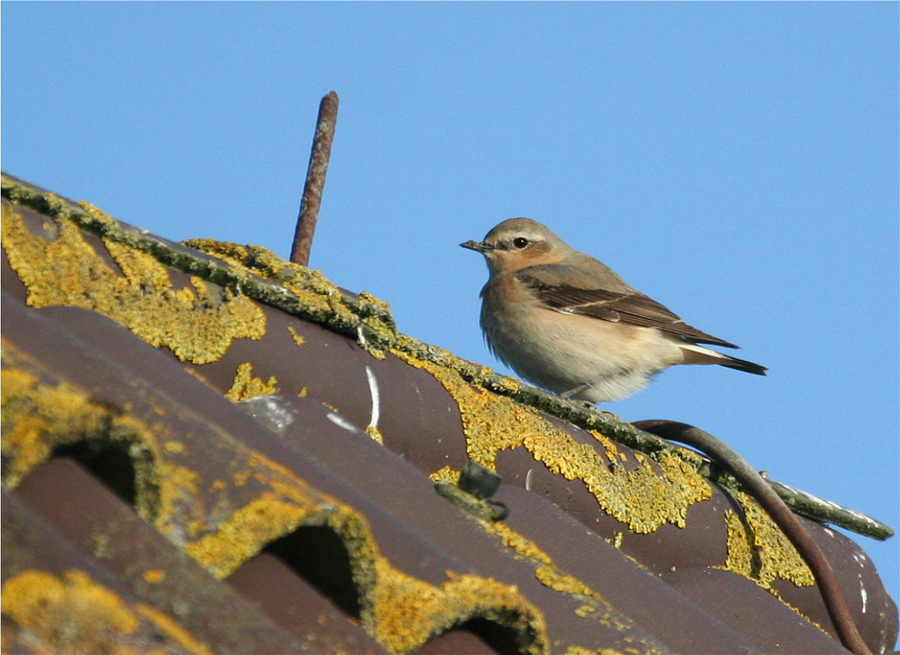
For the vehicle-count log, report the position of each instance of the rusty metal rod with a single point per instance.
(315, 179)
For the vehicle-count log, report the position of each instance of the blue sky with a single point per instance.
(737, 162)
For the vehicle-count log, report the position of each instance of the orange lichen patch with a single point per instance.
(173, 446)
(445, 474)
(375, 434)
(154, 576)
(408, 612)
(759, 550)
(71, 612)
(74, 614)
(594, 607)
(546, 570)
(245, 532)
(655, 492)
(246, 386)
(43, 414)
(197, 323)
(397, 609)
(298, 338)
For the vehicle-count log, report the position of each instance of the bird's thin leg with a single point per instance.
(571, 392)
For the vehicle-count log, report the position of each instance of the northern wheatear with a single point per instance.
(566, 322)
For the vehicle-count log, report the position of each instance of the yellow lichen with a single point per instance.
(408, 611)
(445, 474)
(399, 610)
(154, 576)
(375, 433)
(74, 614)
(649, 495)
(71, 612)
(41, 415)
(243, 534)
(173, 446)
(522, 546)
(194, 324)
(551, 577)
(198, 322)
(759, 550)
(617, 540)
(593, 607)
(246, 386)
(297, 337)
(320, 299)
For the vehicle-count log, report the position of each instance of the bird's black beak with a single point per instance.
(477, 246)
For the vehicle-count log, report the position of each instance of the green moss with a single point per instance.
(309, 294)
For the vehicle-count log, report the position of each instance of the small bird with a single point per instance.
(566, 322)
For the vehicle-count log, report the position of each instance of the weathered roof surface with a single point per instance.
(208, 449)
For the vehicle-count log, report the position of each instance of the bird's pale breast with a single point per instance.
(561, 351)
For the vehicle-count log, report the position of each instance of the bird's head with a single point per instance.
(518, 243)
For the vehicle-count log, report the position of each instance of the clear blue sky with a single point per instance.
(737, 162)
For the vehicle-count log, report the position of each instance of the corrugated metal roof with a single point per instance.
(208, 449)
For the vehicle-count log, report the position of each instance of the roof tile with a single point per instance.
(233, 454)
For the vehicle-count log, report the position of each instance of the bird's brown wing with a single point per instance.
(632, 308)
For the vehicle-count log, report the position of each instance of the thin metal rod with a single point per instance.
(315, 179)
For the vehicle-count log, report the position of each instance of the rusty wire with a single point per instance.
(756, 486)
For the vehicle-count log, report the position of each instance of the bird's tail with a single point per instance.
(694, 354)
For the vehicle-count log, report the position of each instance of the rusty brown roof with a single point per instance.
(208, 449)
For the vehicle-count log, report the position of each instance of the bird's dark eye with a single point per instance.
(520, 242)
